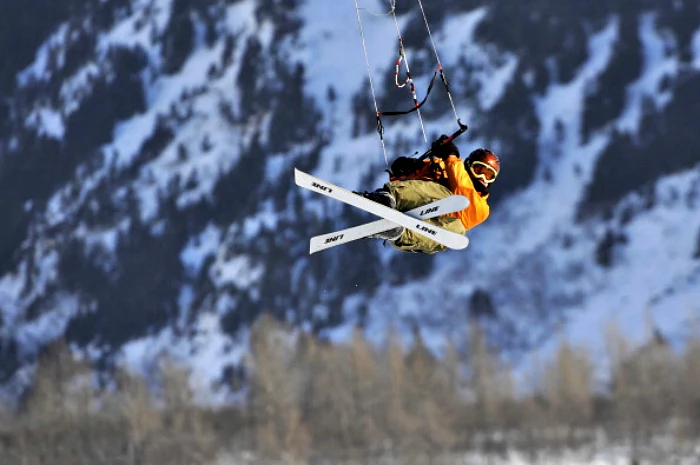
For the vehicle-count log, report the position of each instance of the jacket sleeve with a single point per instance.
(460, 183)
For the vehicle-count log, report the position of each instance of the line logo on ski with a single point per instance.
(428, 211)
(321, 187)
(334, 238)
(426, 229)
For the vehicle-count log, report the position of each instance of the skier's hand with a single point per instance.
(443, 150)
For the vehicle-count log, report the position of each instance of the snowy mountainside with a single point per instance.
(147, 148)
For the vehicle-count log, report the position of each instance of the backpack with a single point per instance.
(429, 169)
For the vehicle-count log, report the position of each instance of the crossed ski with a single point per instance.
(444, 206)
(391, 217)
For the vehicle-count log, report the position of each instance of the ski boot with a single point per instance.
(385, 198)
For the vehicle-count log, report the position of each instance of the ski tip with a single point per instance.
(312, 248)
(297, 174)
(460, 202)
(464, 244)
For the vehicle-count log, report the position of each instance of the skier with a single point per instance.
(415, 182)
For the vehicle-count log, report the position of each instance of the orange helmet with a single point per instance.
(483, 164)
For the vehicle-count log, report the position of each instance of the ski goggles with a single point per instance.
(483, 171)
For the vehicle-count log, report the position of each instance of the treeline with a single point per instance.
(308, 400)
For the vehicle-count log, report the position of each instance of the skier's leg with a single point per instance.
(415, 193)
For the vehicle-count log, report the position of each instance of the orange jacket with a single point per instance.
(459, 182)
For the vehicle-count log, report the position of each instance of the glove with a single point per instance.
(441, 150)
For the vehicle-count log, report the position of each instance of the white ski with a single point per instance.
(453, 203)
(447, 238)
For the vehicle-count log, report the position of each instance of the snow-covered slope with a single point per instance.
(148, 148)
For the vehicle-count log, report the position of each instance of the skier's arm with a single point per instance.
(460, 183)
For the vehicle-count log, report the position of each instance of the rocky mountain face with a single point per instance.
(147, 147)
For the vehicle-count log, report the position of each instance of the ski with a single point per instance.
(451, 204)
(447, 238)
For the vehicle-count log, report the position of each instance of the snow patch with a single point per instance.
(199, 248)
(493, 73)
(633, 294)
(239, 270)
(266, 218)
(695, 47)
(77, 87)
(39, 69)
(657, 66)
(50, 326)
(146, 23)
(208, 352)
(47, 122)
(564, 102)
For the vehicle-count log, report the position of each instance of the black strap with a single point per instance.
(415, 107)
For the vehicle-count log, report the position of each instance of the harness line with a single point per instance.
(380, 128)
(409, 79)
(437, 57)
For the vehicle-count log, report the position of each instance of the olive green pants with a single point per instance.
(413, 194)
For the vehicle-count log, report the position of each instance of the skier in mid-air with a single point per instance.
(415, 182)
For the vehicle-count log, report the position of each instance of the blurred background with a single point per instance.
(157, 300)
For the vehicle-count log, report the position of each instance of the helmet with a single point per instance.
(484, 165)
